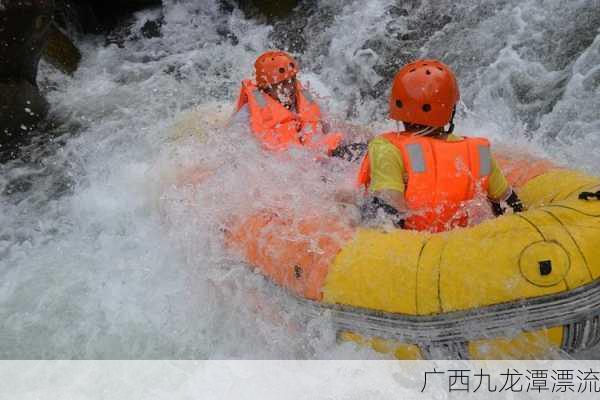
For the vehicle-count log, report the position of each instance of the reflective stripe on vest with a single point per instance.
(279, 128)
(485, 161)
(259, 96)
(417, 159)
(437, 204)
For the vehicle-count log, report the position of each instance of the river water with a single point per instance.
(103, 256)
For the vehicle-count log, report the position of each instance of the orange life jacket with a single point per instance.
(279, 128)
(440, 177)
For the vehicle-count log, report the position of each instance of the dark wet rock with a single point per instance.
(272, 10)
(61, 52)
(27, 32)
(24, 30)
(21, 108)
(290, 32)
(76, 18)
(126, 30)
(151, 29)
(112, 13)
(226, 33)
(289, 28)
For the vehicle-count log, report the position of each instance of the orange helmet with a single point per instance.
(424, 92)
(273, 67)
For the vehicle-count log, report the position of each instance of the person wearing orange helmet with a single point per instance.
(282, 113)
(424, 175)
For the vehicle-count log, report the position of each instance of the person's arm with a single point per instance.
(387, 184)
(242, 99)
(500, 191)
(390, 202)
(393, 198)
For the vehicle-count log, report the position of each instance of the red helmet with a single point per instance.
(273, 67)
(424, 92)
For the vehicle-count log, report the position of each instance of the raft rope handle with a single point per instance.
(589, 195)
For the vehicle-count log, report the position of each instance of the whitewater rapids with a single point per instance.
(103, 256)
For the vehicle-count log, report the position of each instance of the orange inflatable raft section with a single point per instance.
(514, 286)
(296, 251)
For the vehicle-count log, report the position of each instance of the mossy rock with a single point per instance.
(61, 52)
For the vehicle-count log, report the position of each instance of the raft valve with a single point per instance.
(545, 267)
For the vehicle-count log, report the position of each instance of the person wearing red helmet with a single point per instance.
(424, 175)
(282, 113)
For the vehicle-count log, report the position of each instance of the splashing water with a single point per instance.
(104, 255)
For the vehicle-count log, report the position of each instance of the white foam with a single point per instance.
(105, 256)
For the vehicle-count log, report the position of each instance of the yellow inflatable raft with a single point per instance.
(511, 287)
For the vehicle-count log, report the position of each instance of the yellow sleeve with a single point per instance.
(498, 186)
(387, 167)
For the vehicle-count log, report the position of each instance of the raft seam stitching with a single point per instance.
(534, 225)
(439, 273)
(437, 198)
(573, 209)
(418, 269)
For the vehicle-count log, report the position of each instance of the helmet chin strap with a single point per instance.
(424, 132)
(430, 129)
(451, 124)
